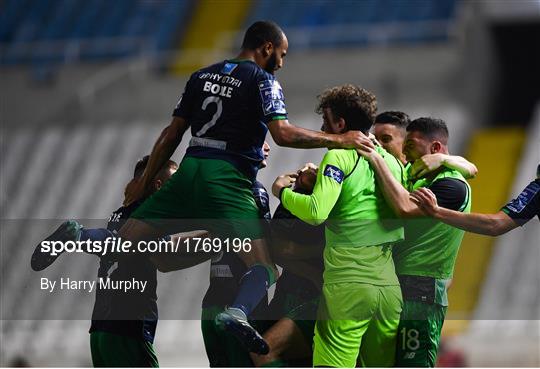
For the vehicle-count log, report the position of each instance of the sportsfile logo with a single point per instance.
(333, 172)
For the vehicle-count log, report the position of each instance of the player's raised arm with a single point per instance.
(166, 144)
(395, 194)
(289, 135)
(431, 162)
(315, 208)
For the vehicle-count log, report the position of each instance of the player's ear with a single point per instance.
(436, 147)
(267, 49)
(342, 126)
(157, 184)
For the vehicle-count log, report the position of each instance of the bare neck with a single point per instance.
(247, 55)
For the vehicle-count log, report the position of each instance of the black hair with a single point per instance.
(434, 129)
(395, 118)
(260, 32)
(140, 166)
(143, 162)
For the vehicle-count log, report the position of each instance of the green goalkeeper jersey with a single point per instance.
(360, 227)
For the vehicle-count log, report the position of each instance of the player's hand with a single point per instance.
(368, 151)
(356, 140)
(373, 139)
(285, 180)
(426, 164)
(426, 201)
(308, 166)
(362, 143)
(135, 190)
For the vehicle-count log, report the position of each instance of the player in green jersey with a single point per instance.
(390, 130)
(361, 300)
(425, 260)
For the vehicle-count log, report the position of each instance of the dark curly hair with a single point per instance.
(354, 104)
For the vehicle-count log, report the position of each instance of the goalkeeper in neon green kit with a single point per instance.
(361, 303)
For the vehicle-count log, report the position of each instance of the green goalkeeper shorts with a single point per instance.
(357, 324)
(419, 334)
(113, 350)
(204, 194)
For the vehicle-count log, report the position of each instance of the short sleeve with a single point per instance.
(451, 193)
(271, 99)
(526, 206)
(185, 103)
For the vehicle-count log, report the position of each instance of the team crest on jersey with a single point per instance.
(334, 172)
(228, 68)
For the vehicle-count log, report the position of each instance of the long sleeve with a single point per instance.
(315, 208)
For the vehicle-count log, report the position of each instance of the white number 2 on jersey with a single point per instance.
(215, 117)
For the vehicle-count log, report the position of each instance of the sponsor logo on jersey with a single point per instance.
(272, 97)
(228, 68)
(334, 172)
(518, 204)
(220, 271)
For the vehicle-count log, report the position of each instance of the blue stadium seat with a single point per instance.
(87, 30)
(348, 22)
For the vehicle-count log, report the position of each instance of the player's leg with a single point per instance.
(295, 304)
(345, 312)
(287, 342)
(261, 274)
(167, 211)
(336, 342)
(419, 334)
(232, 215)
(136, 230)
(112, 350)
(253, 288)
(221, 350)
(378, 347)
(97, 360)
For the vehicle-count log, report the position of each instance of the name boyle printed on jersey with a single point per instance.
(334, 172)
(272, 97)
